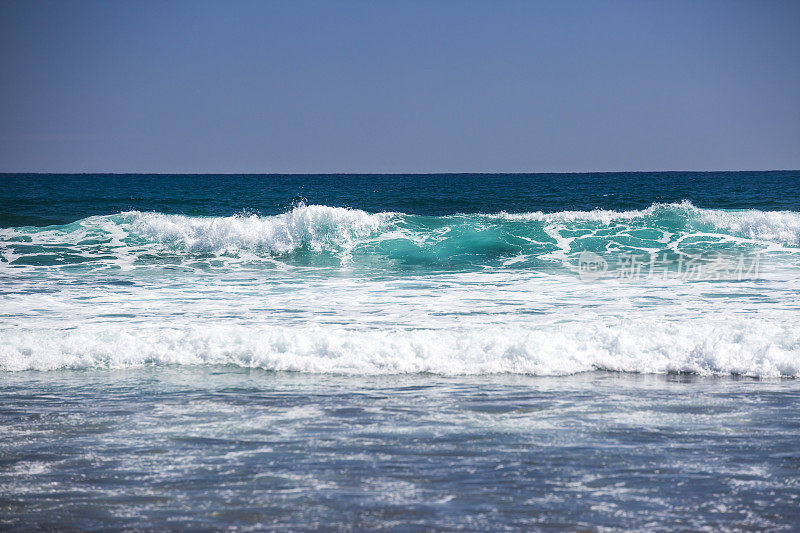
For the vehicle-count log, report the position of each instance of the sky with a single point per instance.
(377, 86)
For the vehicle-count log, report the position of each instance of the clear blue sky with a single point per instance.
(378, 86)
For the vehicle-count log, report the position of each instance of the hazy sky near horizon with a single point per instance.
(198, 86)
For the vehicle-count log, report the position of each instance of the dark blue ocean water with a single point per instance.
(439, 352)
(43, 199)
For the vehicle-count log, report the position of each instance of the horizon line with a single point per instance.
(362, 173)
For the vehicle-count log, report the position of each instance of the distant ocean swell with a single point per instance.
(329, 236)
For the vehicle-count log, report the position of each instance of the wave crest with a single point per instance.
(782, 227)
(317, 227)
(391, 239)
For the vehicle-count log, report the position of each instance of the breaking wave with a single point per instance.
(748, 348)
(349, 235)
(57, 327)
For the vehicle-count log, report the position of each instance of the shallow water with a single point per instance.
(214, 447)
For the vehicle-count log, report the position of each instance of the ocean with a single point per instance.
(410, 352)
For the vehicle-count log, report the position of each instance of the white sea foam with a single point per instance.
(603, 216)
(749, 348)
(317, 226)
(320, 228)
(782, 227)
(490, 320)
(775, 226)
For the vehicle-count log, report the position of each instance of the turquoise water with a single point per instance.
(446, 351)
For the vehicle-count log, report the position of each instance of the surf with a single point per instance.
(330, 236)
